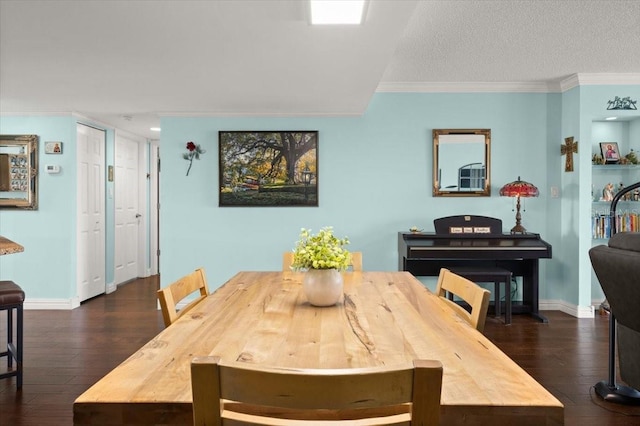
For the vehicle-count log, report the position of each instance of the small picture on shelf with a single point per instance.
(610, 152)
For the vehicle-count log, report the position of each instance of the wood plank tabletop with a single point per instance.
(9, 247)
(384, 318)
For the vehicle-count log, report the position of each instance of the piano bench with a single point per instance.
(490, 274)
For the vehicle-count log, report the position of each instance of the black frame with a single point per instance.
(255, 168)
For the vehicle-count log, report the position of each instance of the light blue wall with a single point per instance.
(554, 166)
(580, 106)
(566, 253)
(47, 267)
(374, 180)
(627, 134)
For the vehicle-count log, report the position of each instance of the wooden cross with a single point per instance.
(569, 148)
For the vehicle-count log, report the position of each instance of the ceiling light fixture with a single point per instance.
(154, 129)
(611, 118)
(346, 12)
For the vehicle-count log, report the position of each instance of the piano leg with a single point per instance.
(531, 290)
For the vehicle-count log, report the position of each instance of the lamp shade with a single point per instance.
(519, 188)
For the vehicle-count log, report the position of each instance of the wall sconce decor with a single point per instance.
(621, 103)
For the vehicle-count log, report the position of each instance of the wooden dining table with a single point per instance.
(9, 247)
(263, 318)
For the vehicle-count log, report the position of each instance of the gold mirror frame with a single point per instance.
(462, 161)
(19, 172)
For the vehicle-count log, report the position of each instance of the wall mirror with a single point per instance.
(461, 162)
(19, 171)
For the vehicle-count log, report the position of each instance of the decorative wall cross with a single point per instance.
(569, 148)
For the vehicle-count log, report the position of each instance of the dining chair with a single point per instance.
(356, 261)
(171, 295)
(287, 260)
(470, 292)
(249, 394)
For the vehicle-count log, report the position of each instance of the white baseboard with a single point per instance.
(544, 305)
(567, 308)
(50, 304)
(110, 287)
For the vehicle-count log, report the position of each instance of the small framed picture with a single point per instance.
(610, 152)
(53, 147)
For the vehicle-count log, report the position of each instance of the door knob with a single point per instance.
(138, 215)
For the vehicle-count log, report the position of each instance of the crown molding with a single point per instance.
(599, 79)
(574, 80)
(83, 119)
(36, 113)
(466, 87)
(259, 114)
(609, 79)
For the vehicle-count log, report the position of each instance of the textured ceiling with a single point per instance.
(110, 59)
(516, 41)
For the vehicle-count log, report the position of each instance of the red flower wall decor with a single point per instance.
(193, 151)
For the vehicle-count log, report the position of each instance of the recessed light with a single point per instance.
(611, 118)
(350, 12)
(155, 129)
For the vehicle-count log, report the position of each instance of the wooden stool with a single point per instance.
(12, 297)
(491, 274)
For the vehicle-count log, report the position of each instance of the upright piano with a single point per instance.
(476, 241)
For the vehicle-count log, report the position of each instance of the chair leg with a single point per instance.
(20, 336)
(14, 350)
(9, 337)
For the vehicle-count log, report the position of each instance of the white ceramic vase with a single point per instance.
(323, 287)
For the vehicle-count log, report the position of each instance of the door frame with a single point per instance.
(154, 207)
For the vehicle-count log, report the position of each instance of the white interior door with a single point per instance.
(90, 212)
(128, 216)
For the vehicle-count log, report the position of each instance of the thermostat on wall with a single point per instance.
(53, 169)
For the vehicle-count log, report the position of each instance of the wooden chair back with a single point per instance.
(287, 260)
(356, 261)
(476, 296)
(171, 295)
(248, 394)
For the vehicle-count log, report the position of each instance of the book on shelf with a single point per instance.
(624, 222)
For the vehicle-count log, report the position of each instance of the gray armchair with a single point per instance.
(617, 267)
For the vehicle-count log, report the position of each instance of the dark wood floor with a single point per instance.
(67, 351)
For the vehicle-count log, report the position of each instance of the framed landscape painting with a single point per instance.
(268, 168)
